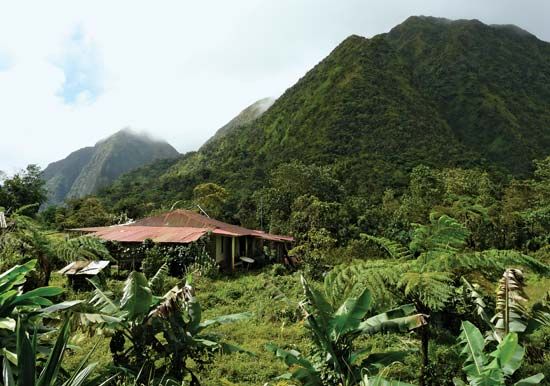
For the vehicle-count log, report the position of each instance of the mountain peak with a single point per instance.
(86, 170)
(249, 114)
(417, 24)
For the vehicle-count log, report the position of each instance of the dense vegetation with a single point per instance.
(413, 171)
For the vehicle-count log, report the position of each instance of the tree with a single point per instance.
(211, 198)
(24, 189)
(287, 183)
(334, 328)
(83, 212)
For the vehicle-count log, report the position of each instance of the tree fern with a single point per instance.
(431, 289)
(82, 248)
(379, 276)
(394, 249)
(444, 233)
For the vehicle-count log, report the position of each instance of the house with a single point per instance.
(228, 243)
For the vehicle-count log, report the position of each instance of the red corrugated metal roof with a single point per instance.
(125, 233)
(187, 218)
(178, 226)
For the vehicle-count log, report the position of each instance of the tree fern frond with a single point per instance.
(444, 233)
(394, 249)
(433, 289)
(492, 261)
(473, 293)
(82, 248)
(378, 276)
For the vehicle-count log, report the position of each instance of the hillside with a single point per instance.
(431, 91)
(248, 115)
(86, 170)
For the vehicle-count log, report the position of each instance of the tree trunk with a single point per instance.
(425, 341)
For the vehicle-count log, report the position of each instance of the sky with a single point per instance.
(74, 72)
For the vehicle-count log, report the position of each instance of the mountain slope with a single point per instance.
(490, 83)
(246, 116)
(431, 91)
(86, 170)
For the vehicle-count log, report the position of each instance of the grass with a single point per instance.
(273, 300)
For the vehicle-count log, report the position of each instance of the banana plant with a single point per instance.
(482, 369)
(32, 306)
(333, 332)
(139, 317)
(511, 313)
(25, 372)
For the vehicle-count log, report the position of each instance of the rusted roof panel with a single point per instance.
(88, 268)
(125, 233)
(187, 218)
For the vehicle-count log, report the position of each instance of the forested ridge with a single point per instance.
(431, 91)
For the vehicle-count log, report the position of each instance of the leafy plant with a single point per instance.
(427, 280)
(480, 369)
(333, 330)
(24, 239)
(137, 319)
(51, 374)
(31, 305)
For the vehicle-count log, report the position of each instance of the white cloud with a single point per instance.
(82, 68)
(177, 69)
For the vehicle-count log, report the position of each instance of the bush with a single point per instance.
(154, 259)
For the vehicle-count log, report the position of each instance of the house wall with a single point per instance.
(220, 256)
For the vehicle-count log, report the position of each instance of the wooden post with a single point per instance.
(233, 252)
(246, 246)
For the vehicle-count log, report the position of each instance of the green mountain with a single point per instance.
(251, 113)
(431, 91)
(86, 170)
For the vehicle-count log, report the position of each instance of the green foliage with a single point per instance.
(24, 189)
(25, 239)
(481, 370)
(81, 213)
(211, 198)
(51, 373)
(333, 331)
(138, 318)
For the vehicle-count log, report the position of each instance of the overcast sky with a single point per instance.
(73, 72)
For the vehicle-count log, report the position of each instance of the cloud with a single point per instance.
(5, 61)
(82, 67)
